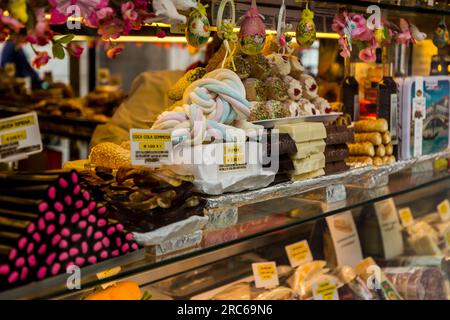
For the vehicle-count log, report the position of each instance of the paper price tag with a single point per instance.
(443, 209)
(150, 147)
(265, 274)
(325, 290)
(233, 157)
(19, 137)
(390, 228)
(299, 253)
(406, 217)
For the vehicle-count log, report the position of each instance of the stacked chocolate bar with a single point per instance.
(336, 150)
(283, 148)
(309, 159)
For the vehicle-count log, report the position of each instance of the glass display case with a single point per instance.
(380, 231)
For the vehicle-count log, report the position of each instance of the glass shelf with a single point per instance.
(268, 217)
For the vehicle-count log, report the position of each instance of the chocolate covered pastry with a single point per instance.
(335, 153)
(276, 89)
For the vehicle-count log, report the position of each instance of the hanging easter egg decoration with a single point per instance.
(306, 29)
(440, 36)
(198, 27)
(252, 35)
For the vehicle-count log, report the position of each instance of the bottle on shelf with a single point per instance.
(388, 97)
(350, 91)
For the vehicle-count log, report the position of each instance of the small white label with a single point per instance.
(443, 209)
(299, 253)
(325, 290)
(406, 217)
(345, 238)
(265, 274)
(418, 115)
(19, 137)
(150, 147)
(394, 117)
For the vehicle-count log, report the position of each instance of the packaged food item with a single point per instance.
(356, 285)
(418, 283)
(425, 114)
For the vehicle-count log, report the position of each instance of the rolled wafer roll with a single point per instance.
(389, 149)
(378, 125)
(361, 149)
(378, 161)
(380, 151)
(388, 159)
(359, 160)
(372, 137)
(386, 137)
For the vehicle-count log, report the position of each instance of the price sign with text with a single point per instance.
(299, 253)
(150, 147)
(265, 274)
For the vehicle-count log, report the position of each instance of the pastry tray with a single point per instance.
(29, 291)
(270, 123)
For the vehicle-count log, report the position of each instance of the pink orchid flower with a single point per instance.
(41, 59)
(367, 55)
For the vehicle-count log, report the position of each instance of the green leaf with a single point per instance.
(58, 51)
(66, 39)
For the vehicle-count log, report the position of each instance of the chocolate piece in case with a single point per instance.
(286, 144)
(335, 167)
(335, 153)
(338, 134)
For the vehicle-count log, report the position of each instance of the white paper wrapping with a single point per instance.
(172, 231)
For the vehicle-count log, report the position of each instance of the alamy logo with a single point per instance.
(374, 280)
(75, 10)
(74, 280)
(374, 20)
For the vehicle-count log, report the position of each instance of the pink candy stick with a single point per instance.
(50, 229)
(22, 243)
(92, 260)
(68, 200)
(129, 237)
(74, 177)
(23, 273)
(63, 183)
(101, 210)
(73, 252)
(125, 248)
(63, 244)
(42, 206)
(106, 242)
(63, 256)
(50, 259)
(84, 247)
(4, 269)
(98, 246)
(65, 232)
(32, 261)
(43, 248)
(86, 195)
(101, 223)
(75, 217)
(55, 269)
(59, 206)
(79, 261)
(104, 254)
(31, 227)
(20, 262)
(49, 216)
(41, 224)
(52, 193)
(119, 227)
(98, 235)
(84, 212)
(92, 218)
(12, 254)
(118, 241)
(30, 247)
(111, 230)
(62, 219)
(92, 205)
(13, 277)
(42, 272)
(37, 237)
(134, 246)
(76, 237)
(56, 239)
(79, 204)
(82, 225)
(115, 253)
(89, 231)
(76, 190)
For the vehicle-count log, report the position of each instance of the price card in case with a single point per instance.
(150, 147)
(406, 217)
(19, 137)
(325, 290)
(299, 253)
(443, 209)
(265, 274)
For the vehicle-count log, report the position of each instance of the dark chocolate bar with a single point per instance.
(339, 134)
(335, 167)
(335, 153)
(285, 144)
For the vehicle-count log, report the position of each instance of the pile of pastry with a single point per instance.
(373, 145)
